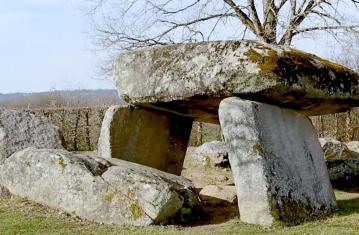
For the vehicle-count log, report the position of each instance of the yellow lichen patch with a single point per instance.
(108, 198)
(136, 211)
(62, 163)
(257, 149)
(267, 64)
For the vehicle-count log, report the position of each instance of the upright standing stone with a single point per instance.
(20, 130)
(145, 136)
(277, 162)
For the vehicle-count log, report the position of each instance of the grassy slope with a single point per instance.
(18, 216)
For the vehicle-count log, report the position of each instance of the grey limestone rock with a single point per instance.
(353, 146)
(106, 191)
(213, 154)
(335, 150)
(19, 130)
(193, 78)
(145, 136)
(218, 194)
(344, 174)
(277, 163)
(342, 163)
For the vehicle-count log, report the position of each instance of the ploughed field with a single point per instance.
(19, 216)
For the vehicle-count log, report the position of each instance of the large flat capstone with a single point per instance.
(277, 163)
(192, 79)
(108, 191)
(20, 130)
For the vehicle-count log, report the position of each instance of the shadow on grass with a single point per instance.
(347, 206)
(218, 213)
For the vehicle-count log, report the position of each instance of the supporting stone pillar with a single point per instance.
(277, 163)
(145, 136)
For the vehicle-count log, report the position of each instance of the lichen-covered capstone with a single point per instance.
(20, 130)
(193, 78)
(145, 136)
(107, 191)
(277, 163)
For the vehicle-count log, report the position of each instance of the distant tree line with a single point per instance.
(60, 99)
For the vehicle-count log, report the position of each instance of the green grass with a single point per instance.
(17, 216)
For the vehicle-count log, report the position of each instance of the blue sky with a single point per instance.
(44, 44)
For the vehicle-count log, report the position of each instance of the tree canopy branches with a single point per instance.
(130, 24)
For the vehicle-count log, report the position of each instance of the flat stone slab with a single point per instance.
(107, 191)
(145, 136)
(193, 78)
(277, 163)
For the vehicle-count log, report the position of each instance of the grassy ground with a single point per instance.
(18, 216)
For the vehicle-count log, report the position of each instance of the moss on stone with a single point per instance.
(267, 64)
(294, 212)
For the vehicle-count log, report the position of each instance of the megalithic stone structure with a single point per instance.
(277, 163)
(275, 156)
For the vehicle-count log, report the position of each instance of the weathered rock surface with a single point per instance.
(335, 150)
(353, 146)
(19, 130)
(218, 194)
(4, 193)
(107, 191)
(277, 163)
(344, 174)
(342, 164)
(212, 154)
(148, 137)
(193, 78)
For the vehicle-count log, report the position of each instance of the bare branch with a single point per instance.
(341, 27)
(241, 15)
(176, 11)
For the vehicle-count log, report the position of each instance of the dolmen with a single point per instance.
(260, 94)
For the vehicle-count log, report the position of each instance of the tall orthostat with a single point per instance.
(145, 136)
(277, 163)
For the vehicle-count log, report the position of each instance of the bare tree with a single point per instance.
(126, 24)
(349, 52)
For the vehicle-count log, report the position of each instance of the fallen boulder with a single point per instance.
(20, 130)
(342, 164)
(344, 174)
(335, 150)
(211, 154)
(353, 146)
(106, 191)
(218, 194)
